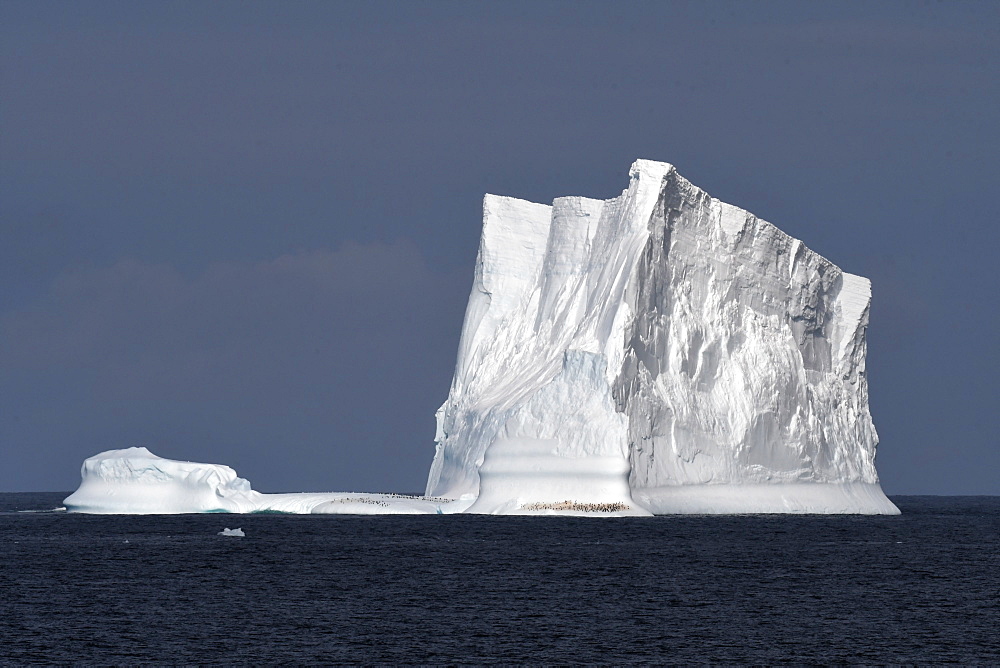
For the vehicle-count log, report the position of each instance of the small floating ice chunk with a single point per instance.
(232, 532)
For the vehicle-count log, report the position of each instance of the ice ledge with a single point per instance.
(856, 498)
(134, 481)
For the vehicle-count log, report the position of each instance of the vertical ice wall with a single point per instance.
(659, 351)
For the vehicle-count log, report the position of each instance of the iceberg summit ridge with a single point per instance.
(659, 352)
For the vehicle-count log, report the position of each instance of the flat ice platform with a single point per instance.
(134, 481)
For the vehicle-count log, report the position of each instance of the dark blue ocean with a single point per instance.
(920, 588)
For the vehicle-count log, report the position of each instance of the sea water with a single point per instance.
(919, 588)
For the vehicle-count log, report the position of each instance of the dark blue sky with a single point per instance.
(244, 232)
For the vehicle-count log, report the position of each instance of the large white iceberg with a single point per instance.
(661, 351)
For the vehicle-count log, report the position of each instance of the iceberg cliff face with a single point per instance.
(661, 351)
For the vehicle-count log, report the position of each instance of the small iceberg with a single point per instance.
(134, 481)
(232, 532)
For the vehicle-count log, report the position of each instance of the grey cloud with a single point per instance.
(317, 334)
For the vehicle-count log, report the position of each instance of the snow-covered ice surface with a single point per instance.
(134, 481)
(659, 352)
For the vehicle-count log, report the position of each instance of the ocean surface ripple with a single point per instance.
(919, 588)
